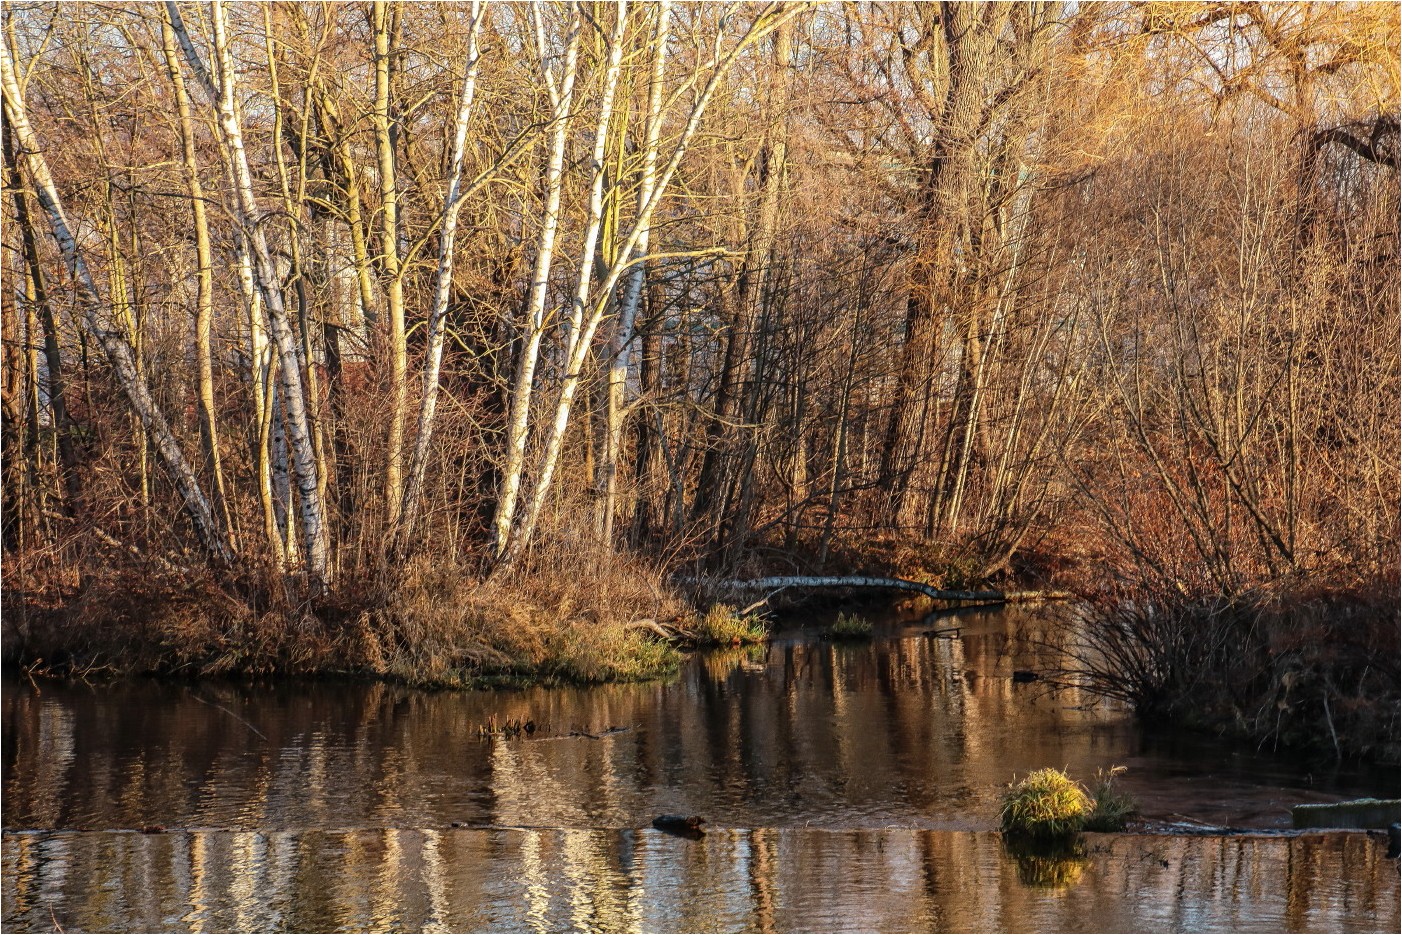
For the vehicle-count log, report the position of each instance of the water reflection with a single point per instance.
(907, 731)
(1057, 864)
(371, 806)
(770, 880)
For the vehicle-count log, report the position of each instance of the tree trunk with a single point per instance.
(386, 19)
(204, 299)
(620, 344)
(522, 387)
(900, 584)
(253, 220)
(114, 344)
(438, 314)
(746, 304)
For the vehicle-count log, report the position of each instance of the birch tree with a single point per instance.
(443, 281)
(221, 88)
(96, 319)
(560, 88)
(591, 314)
(624, 327)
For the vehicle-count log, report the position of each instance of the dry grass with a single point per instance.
(434, 625)
(721, 625)
(1113, 806)
(1046, 805)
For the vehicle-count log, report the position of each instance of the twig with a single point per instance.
(759, 603)
(229, 713)
(1329, 719)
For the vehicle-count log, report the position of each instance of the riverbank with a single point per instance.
(1312, 672)
(432, 626)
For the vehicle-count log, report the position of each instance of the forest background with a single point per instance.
(438, 341)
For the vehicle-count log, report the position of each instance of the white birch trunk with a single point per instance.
(259, 374)
(900, 584)
(113, 342)
(252, 219)
(581, 339)
(606, 483)
(437, 316)
(518, 418)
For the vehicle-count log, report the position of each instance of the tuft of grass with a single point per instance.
(610, 653)
(848, 627)
(1046, 805)
(1113, 807)
(721, 625)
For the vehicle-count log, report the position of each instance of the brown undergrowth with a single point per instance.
(429, 624)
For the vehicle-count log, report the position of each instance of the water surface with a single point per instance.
(848, 786)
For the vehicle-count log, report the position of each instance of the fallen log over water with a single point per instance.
(776, 584)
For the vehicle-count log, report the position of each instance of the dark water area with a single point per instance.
(846, 786)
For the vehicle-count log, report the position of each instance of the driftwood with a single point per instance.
(775, 585)
(653, 626)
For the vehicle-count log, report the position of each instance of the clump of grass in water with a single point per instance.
(1047, 804)
(1050, 805)
(721, 625)
(848, 627)
(1113, 807)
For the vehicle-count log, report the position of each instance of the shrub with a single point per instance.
(1295, 665)
(848, 627)
(1046, 805)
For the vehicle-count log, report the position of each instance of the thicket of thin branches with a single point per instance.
(299, 297)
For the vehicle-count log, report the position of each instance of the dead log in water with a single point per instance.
(776, 584)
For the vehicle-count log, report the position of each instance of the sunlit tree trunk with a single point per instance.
(621, 340)
(443, 283)
(385, 21)
(36, 290)
(589, 312)
(204, 298)
(95, 312)
(253, 218)
(582, 318)
(968, 37)
(518, 417)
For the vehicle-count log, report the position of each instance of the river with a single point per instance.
(847, 787)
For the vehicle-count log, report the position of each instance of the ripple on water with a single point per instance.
(731, 880)
(286, 799)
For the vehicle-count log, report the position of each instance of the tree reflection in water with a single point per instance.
(762, 880)
(845, 787)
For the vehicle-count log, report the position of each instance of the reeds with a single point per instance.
(722, 625)
(848, 627)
